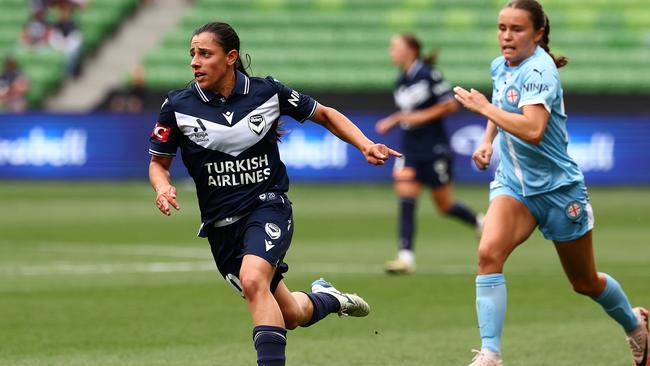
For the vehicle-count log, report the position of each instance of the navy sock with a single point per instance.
(463, 212)
(270, 342)
(324, 304)
(406, 223)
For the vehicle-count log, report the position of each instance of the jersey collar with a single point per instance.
(242, 86)
(414, 68)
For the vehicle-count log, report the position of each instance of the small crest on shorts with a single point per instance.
(272, 230)
(574, 210)
(512, 95)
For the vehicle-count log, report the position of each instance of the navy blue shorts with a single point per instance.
(434, 172)
(265, 232)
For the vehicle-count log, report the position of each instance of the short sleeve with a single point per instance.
(294, 104)
(165, 136)
(539, 87)
(439, 86)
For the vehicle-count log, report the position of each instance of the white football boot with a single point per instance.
(403, 264)
(638, 338)
(351, 304)
(485, 357)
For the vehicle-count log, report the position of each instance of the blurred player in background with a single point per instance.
(537, 184)
(225, 124)
(424, 99)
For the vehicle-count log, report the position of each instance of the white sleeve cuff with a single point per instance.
(533, 102)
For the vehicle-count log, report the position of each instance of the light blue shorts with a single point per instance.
(563, 214)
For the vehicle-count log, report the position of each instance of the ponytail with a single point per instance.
(560, 60)
(431, 58)
(239, 65)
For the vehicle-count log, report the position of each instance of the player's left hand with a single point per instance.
(377, 154)
(472, 99)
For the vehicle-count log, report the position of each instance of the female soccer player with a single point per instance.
(225, 124)
(537, 183)
(424, 99)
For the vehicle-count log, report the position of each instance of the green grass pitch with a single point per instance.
(92, 274)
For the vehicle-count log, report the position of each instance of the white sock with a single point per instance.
(406, 255)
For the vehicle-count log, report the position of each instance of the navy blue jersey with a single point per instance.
(421, 87)
(229, 145)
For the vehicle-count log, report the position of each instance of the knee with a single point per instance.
(490, 260)
(253, 284)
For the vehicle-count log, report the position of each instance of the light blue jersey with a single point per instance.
(526, 168)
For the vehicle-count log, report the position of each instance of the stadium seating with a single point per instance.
(44, 68)
(342, 44)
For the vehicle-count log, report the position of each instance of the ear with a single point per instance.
(231, 57)
(539, 34)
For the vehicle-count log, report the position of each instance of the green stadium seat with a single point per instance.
(342, 44)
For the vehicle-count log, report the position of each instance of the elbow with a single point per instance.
(453, 107)
(535, 137)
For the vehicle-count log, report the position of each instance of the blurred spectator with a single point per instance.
(66, 37)
(38, 5)
(132, 98)
(36, 32)
(13, 87)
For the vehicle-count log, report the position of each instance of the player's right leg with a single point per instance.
(269, 334)
(407, 189)
(508, 223)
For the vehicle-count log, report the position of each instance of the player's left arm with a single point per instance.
(430, 114)
(529, 126)
(347, 131)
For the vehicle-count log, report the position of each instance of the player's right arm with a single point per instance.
(483, 154)
(163, 143)
(162, 184)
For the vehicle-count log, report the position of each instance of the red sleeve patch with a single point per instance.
(160, 132)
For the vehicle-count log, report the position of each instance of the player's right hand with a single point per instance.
(386, 124)
(482, 156)
(383, 126)
(165, 197)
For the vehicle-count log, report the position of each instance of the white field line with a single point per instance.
(202, 266)
(147, 250)
(315, 268)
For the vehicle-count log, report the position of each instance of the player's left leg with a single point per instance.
(305, 309)
(579, 265)
(443, 197)
(297, 308)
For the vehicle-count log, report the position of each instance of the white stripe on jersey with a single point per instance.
(232, 140)
(154, 152)
(247, 85)
(518, 172)
(201, 93)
